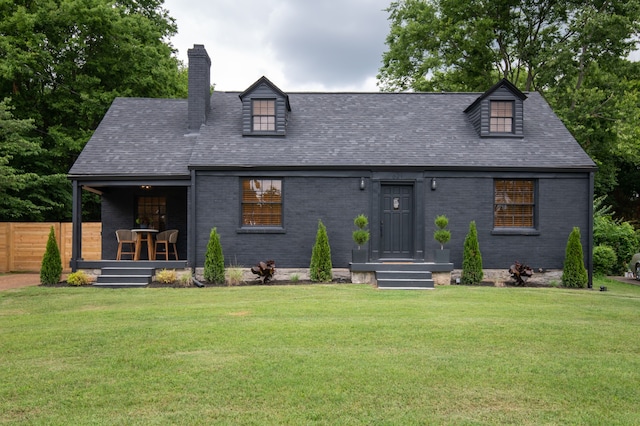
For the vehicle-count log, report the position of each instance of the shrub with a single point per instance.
(167, 276)
(234, 276)
(574, 274)
(471, 258)
(294, 278)
(620, 236)
(320, 267)
(361, 235)
(214, 260)
(78, 278)
(604, 260)
(441, 234)
(185, 278)
(51, 269)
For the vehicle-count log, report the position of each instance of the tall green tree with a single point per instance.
(320, 267)
(574, 52)
(62, 62)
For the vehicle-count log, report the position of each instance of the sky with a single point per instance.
(300, 45)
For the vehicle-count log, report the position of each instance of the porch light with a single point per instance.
(434, 185)
(361, 183)
(145, 186)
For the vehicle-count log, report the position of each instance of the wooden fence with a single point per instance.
(22, 245)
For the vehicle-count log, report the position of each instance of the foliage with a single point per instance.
(320, 268)
(51, 268)
(234, 276)
(472, 272)
(214, 259)
(604, 260)
(167, 276)
(78, 278)
(185, 279)
(63, 63)
(619, 235)
(361, 235)
(574, 273)
(441, 234)
(574, 53)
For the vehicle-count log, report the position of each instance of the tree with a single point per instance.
(472, 272)
(572, 52)
(63, 63)
(574, 273)
(320, 268)
(214, 259)
(51, 268)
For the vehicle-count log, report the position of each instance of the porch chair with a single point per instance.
(126, 240)
(165, 238)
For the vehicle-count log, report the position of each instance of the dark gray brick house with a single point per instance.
(263, 166)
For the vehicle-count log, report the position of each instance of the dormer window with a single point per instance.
(264, 115)
(501, 117)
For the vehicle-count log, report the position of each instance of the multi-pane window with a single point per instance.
(264, 115)
(501, 120)
(151, 212)
(514, 204)
(261, 202)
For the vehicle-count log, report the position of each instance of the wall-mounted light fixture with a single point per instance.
(362, 184)
(434, 185)
(145, 186)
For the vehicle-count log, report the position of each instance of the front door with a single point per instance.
(396, 227)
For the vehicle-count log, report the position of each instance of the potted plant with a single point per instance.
(142, 222)
(442, 236)
(360, 236)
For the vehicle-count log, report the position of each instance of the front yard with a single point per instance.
(325, 354)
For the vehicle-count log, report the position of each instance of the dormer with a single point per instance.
(265, 109)
(499, 111)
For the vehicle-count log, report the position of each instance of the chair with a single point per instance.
(165, 238)
(126, 239)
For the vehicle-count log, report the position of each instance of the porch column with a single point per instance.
(76, 218)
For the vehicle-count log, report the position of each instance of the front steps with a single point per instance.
(404, 280)
(118, 277)
(399, 275)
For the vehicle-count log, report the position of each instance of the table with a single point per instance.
(148, 238)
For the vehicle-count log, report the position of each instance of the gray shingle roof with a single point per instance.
(146, 136)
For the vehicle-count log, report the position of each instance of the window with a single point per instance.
(264, 115)
(501, 120)
(514, 204)
(151, 212)
(262, 202)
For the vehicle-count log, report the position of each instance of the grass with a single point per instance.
(320, 354)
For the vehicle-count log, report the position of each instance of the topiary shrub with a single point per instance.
(604, 260)
(320, 269)
(574, 274)
(78, 278)
(214, 260)
(361, 235)
(51, 269)
(471, 258)
(441, 234)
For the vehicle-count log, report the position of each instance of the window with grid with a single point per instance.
(151, 212)
(501, 120)
(264, 115)
(262, 202)
(514, 204)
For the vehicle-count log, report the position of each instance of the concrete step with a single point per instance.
(125, 277)
(404, 280)
(122, 270)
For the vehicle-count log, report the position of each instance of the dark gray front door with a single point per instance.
(396, 226)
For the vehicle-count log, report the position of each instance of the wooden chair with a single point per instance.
(126, 239)
(165, 238)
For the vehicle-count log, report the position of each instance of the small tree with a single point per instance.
(471, 258)
(214, 259)
(574, 274)
(361, 235)
(442, 235)
(51, 269)
(320, 267)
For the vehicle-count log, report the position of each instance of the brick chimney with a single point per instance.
(199, 83)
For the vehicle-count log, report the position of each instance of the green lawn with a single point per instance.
(323, 354)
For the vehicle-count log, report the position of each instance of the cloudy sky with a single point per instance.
(300, 45)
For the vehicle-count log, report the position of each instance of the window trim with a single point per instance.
(261, 228)
(254, 130)
(518, 230)
(512, 117)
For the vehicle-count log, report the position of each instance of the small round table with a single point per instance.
(146, 235)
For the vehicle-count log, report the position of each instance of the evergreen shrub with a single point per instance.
(604, 260)
(214, 259)
(51, 268)
(320, 269)
(472, 258)
(574, 273)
